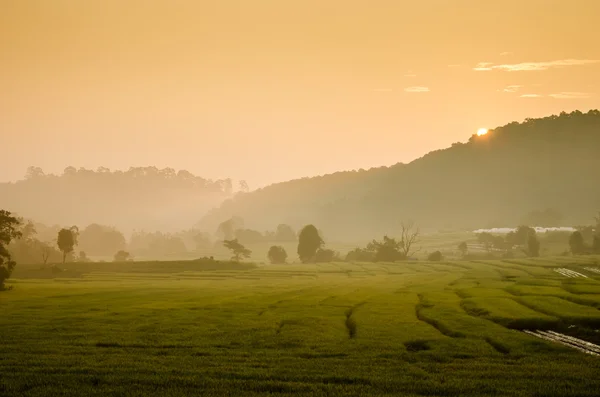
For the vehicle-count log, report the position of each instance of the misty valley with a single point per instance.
(471, 271)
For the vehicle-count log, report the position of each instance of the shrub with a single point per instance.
(360, 255)
(277, 254)
(435, 256)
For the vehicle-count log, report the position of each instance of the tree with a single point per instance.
(462, 247)
(249, 236)
(324, 255)
(577, 243)
(360, 255)
(98, 240)
(435, 256)
(410, 235)
(277, 254)
(533, 246)
(122, 256)
(387, 250)
(9, 230)
(238, 250)
(83, 257)
(596, 244)
(285, 233)
(227, 229)
(67, 240)
(309, 241)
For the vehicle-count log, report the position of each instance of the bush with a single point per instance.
(277, 255)
(324, 255)
(360, 255)
(435, 256)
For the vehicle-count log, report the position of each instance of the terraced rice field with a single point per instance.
(457, 328)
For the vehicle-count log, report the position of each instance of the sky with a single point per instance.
(270, 90)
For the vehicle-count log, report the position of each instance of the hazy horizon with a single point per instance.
(268, 91)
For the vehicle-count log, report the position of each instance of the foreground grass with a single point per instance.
(178, 329)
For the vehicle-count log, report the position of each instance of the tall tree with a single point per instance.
(67, 240)
(309, 241)
(9, 230)
(577, 243)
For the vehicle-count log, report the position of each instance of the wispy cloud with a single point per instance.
(483, 66)
(512, 88)
(561, 95)
(505, 53)
(534, 66)
(416, 89)
(382, 89)
(571, 95)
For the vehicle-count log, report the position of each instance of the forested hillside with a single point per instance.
(140, 198)
(492, 180)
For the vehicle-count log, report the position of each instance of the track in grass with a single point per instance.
(569, 273)
(568, 341)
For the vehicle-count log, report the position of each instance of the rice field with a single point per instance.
(453, 328)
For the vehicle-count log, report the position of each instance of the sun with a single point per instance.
(482, 131)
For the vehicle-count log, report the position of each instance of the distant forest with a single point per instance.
(142, 198)
(495, 180)
(538, 171)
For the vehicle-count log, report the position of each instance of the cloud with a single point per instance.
(483, 66)
(534, 66)
(505, 53)
(416, 89)
(531, 96)
(571, 95)
(512, 88)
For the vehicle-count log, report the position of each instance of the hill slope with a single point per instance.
(140, 198)
(492, 180)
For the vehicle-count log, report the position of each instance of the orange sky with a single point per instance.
(271, 90)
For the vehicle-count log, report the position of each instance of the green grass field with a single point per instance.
(187, 328)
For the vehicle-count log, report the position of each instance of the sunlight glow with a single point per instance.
(482, 131)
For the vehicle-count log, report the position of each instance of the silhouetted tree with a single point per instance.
(387, 250)
(577, 243)
(360, 255)
(309, 241)
(277, 255)
(82, 257)
(67, 240)
(285, 233)
(238, 250)
(101, 240)
(435, 256)
(463, 248)
(227, 229)
(122, 256)
(596, 244)
(9, 230)
(533, 246)
(249, 236)
(324, 255)
(409, 234)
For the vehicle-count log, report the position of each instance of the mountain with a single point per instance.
(140, 198)
(492, 180)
